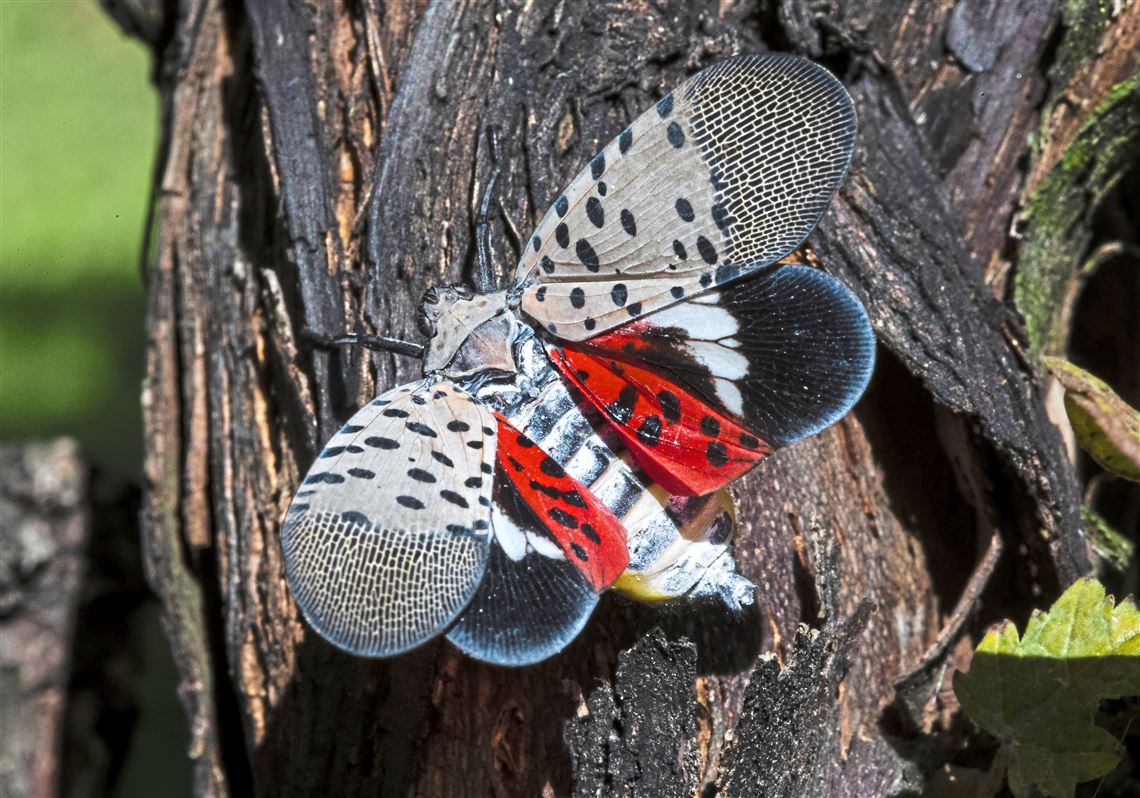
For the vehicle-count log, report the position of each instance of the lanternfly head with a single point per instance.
(450, 316)
(436, 302)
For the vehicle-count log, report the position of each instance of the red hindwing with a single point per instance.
(682, 443)
(591, 536)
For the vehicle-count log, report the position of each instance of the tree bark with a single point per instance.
(44, 515)
(319, 167)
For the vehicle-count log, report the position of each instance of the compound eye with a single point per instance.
(425, 322)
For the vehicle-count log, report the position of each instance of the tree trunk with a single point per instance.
(319, 167)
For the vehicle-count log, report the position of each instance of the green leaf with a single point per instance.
(1038, 692)
(1106, 426)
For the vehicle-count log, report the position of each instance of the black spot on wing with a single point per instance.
(625, 140)
(574, 499)
(670, 406)
(454, 498)
(586, 254)
(721, 217)
(549, 490)
(411, 502)
(595, 213)
(665, 106)
(361, 473)
(333, 451)
(621, 409)
(378, 442)
(561, 205)
(598, 165)
(419, 475)
(562, 235)
(577, 297)
(649, 432)
(421, 429)
(395, 412)
(716, 454)
(627, 222)
(562, 517)
(707, 250)
(440, 457)
(551, 468)
(675, 135)
(619, 294)
(684, 209)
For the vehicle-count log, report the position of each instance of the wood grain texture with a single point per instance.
(320, 165)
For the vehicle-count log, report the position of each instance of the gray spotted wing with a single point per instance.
(388, 536)
(725, 175)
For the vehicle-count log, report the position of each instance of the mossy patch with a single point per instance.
(1057, 217)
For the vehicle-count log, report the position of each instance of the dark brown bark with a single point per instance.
(320, 163)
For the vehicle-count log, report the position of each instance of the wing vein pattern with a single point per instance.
(724, 176)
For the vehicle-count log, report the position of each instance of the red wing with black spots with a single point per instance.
(787, 352)
(683, 443)
(590, 535)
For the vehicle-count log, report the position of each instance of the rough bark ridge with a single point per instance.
(319, 168)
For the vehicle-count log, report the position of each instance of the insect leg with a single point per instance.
(377, 343)
(484, 270)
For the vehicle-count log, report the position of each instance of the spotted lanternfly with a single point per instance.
(576, 431)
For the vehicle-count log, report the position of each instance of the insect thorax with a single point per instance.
(469, 333)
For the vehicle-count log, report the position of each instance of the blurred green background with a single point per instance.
(78, 131)
(78, 127)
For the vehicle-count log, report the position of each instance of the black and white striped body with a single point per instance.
(539, 404)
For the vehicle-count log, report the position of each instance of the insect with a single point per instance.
(576, 431)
